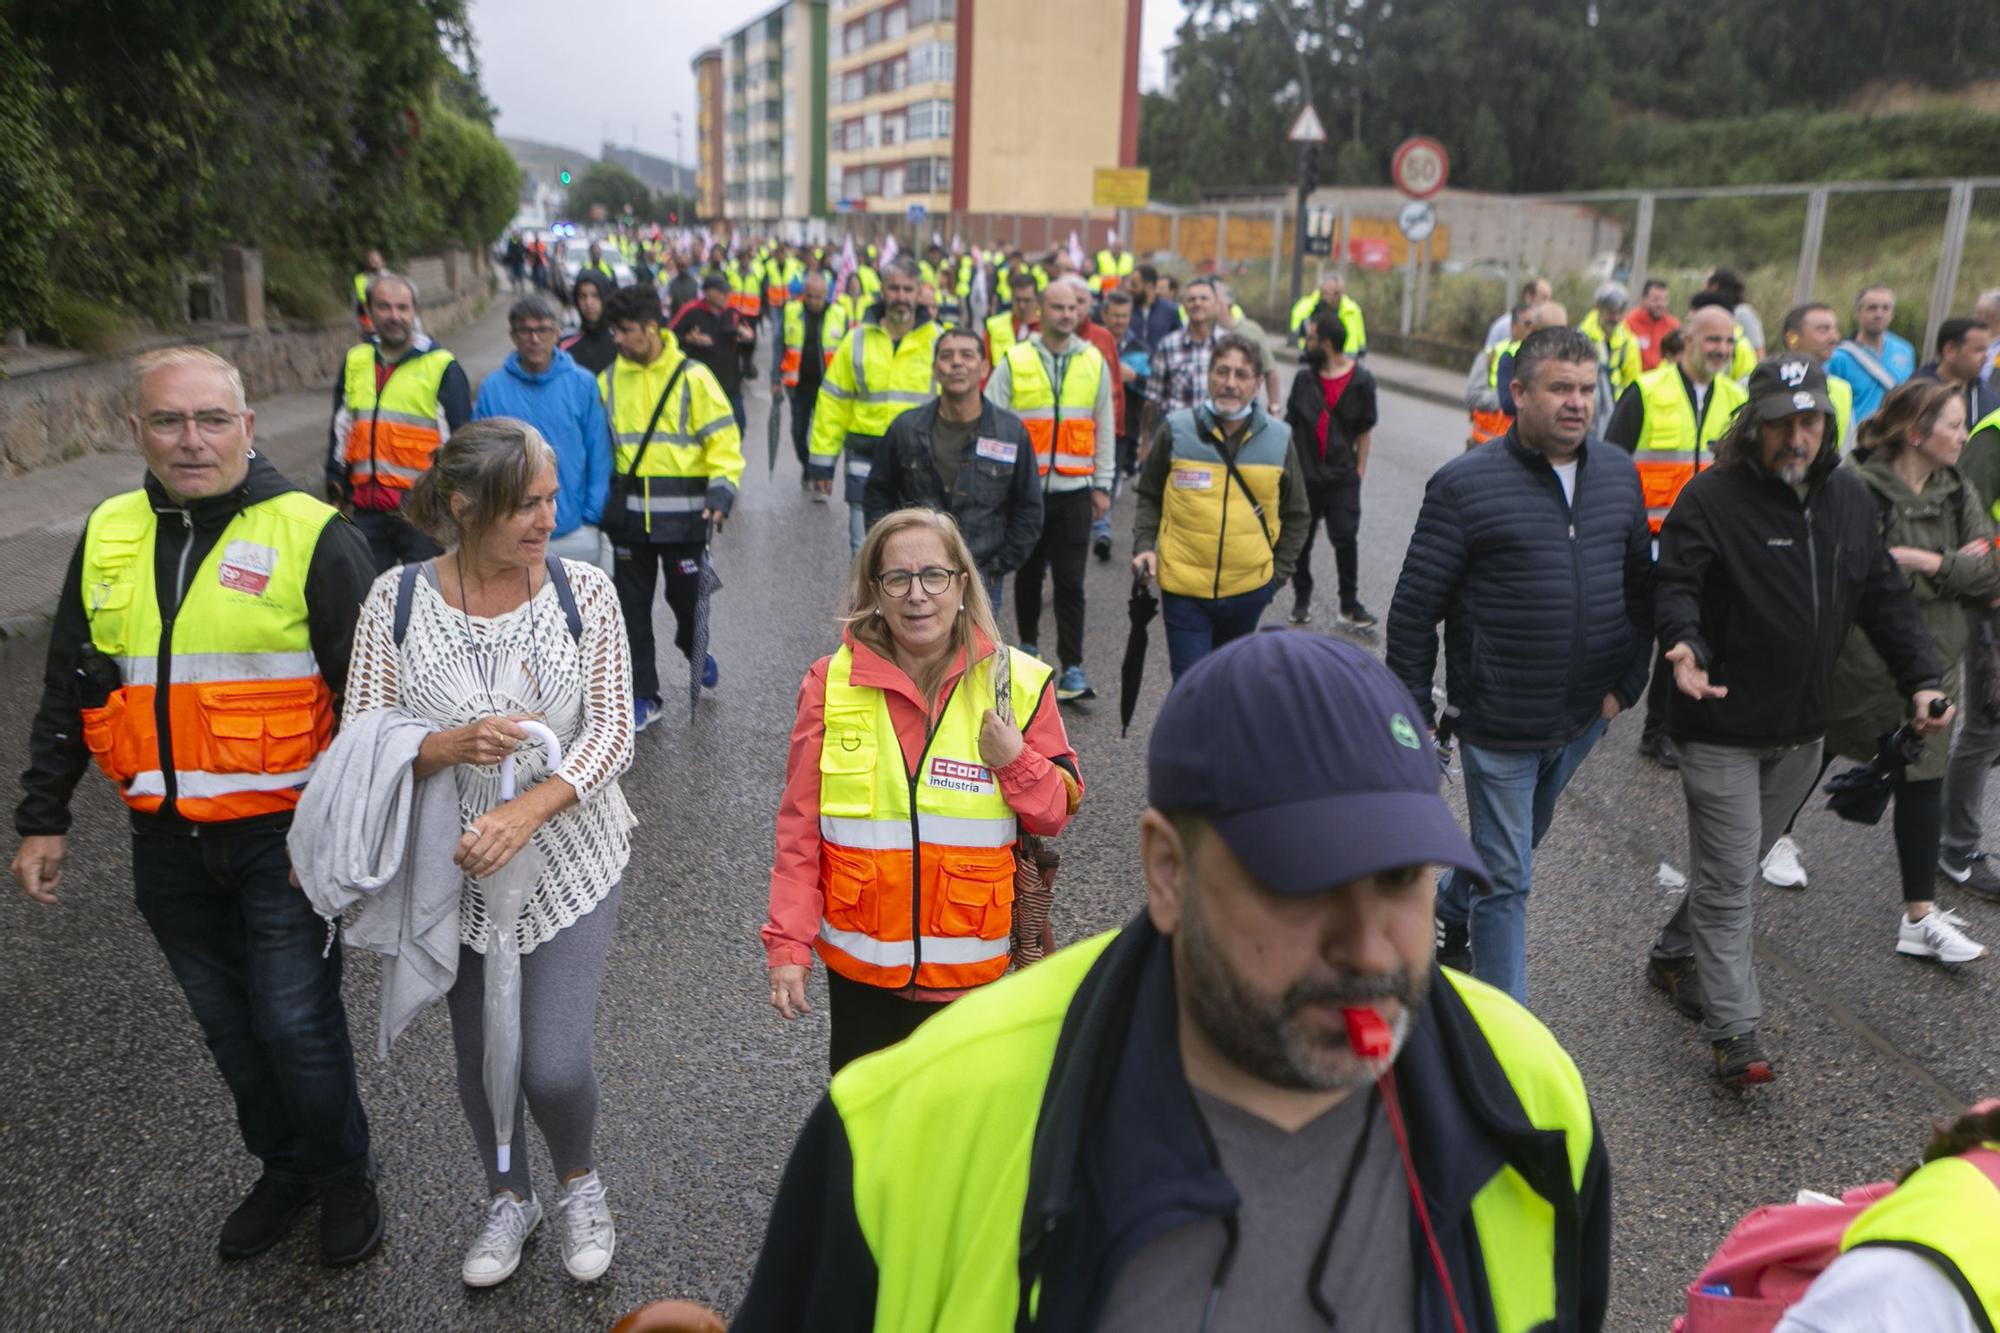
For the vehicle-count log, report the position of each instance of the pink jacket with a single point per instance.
(1033, 786)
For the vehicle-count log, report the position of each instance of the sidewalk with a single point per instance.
(43, 513)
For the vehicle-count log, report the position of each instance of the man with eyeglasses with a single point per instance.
(198, 654)
(396, 400)
(542, 385)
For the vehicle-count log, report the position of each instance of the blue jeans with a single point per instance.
(1510, 797)
(1197, 626)
(246, 947)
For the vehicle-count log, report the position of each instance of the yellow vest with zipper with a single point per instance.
(228, 676)
(390, 438)
(1212, 543)
(694, 447)
(869, 383)
(916, 874)
(1061, 423)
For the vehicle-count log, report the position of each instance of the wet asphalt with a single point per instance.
(119, 1155)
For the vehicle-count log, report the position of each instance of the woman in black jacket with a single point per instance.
(1331, 411)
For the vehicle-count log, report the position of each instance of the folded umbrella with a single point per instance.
(504, 891)
(1142, 607)
(1860, 795)
(709, 583)
(773, 430)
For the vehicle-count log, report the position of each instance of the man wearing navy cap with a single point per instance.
(1170, 1126)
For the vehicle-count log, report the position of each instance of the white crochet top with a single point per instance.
(583, 691)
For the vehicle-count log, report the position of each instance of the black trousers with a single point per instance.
(1063, 549)
(865, 1019)
(1338, 506)
(804, 398)
(636, 571)
(392, 540)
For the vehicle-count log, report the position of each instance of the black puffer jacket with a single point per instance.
(1546, 606)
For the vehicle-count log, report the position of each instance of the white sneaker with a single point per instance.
(588, 1237)
(1940, 935)
(496, 1253)
(1782, 867)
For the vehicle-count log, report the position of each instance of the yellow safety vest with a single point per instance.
(1991, 421)
(1512, 347)
(916, 874)
(868, 385)
(1212, 542)
(1620, 349)
(246, 710)
(1061, 423)
(999, 336)
(1670, 445)
(390, 439)
(1948, 1211)
(1743, 357)
(832, 327)
(695, 447)
(1350, 320)
(1842, 394)
(940, 1131)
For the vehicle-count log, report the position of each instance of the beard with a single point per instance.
(1270, 1037)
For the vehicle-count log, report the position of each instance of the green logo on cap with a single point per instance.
(1405, 734)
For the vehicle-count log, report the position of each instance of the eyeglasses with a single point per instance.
(535, 331)
(896, 583)
(211, 425)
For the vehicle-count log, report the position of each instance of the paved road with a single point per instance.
(118, 1156)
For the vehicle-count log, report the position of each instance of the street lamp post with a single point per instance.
(1308, 156)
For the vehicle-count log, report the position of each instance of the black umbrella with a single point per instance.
(710, 582)
(1142, 608)
(1860, 795)
(775, 431)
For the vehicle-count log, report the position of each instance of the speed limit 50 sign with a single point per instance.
(1420, 166)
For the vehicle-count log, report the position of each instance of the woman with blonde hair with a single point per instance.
(905, 793)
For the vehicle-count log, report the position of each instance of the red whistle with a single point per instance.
(1367, 1032)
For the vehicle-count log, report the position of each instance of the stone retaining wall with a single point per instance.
(57, 406)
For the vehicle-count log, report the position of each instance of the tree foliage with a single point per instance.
(328, 128)
(612, 187)
(1541, 96)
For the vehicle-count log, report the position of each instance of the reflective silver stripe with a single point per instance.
(893, 835)
(895, 396)
(1651, 455)
(857, 466)
(363, 467)
(833, 390)
(664, 504)
(860, 364)
(206, 668)
(724, 482)
(209, 786)
(896, 953)
(1076, 460)
(721, 423)
(399, 418)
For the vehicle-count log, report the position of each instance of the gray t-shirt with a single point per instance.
(949, 442)
(1290, 1184)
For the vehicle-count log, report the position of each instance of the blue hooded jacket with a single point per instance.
(562, 404)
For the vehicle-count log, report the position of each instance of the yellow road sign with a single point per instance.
(1121, 187)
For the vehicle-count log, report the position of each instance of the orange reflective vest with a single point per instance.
(1671, 442)
(833, 327)
(230, 675)
(391, 436)
(1062, 423)
(916, 872)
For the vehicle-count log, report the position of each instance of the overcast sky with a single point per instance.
(575, 74)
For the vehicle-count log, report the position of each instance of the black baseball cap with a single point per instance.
(714, 282)
(1784, 386)
(1303, 752)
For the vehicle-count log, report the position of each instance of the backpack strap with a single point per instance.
(406, 589)
(567, 596)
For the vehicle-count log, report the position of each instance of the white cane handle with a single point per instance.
(549, 743)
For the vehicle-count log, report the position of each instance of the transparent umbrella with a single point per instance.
(504, 893)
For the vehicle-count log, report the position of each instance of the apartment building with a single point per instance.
(774, 115)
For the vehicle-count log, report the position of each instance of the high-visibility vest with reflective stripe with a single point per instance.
(871, 281)
(1061, 421)
(1110, 268)
(1670, 447)
(1350, 320)
(778, 280)
(1618, 350)
(1512, 347)
(390, 439)
(679, 468)
(941, 1129)
(1000, 335)
(1211, 543)
(744, 296)
(1991, 421)
(1842, 394)
(600, 265)
(1743, 357)
(361, 289)
(832, 327)
(875, 381)
(245, 707)
(1949, 1212)
(916, 874)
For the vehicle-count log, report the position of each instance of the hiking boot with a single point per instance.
(1073, 684)
(1939, 936)
(1660, 750)
(1454, 945)
(1976, 873)
(1102, 548)
(496, 1250)
(350, 1221)
(1741, 1062)
(1302, 612)
(1675, 978)
(1358, 616)
(588, 1237)
(264, 1217)
(1782, 867)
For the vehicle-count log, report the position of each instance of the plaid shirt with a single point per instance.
(1179, 377)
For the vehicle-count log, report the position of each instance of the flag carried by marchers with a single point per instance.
(889, 251)
(845, 268)
(1076, 252)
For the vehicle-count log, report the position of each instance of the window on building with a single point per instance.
(853, 37)
(895, 74)
(931, 11)
(854, 135)
(872, 135)
(933, 62)
(892, 129)
(873, 27)
(895, 22)
(871, 180)
(917, 176)
(856, 87)
(892, 183)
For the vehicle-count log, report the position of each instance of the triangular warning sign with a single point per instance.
(1307, 129)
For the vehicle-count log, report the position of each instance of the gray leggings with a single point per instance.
(559, 983)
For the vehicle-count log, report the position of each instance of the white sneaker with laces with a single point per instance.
(496, 1252)
(1940, 935)
(1782, 867)
(588, 1238)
